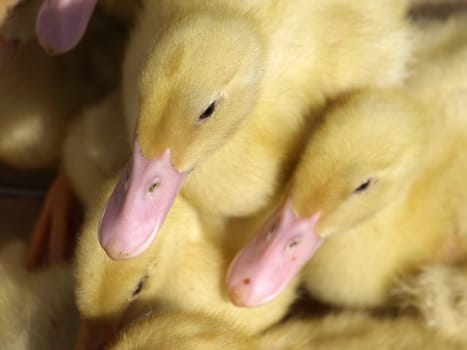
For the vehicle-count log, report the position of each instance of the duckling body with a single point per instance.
(183, 270)
(227, 88)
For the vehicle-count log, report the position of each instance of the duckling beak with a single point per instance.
(139, 204)
(264, 267)
(61, 24)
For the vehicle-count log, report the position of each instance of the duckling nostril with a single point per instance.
(293, 243)
(154, 186)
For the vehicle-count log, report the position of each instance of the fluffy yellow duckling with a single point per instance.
(381, 182)
(389, 202)
(184, 269)
(184, 331)
(224, 89)
(36, 309)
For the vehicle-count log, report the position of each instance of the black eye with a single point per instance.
(137, 290)
(363, 186)
(208, 112)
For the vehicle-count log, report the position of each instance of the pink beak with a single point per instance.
(61, 24)
(264, 267)
(139, 204)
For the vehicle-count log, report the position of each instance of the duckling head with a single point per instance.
(198, 86)
(363, 157)
(110, 293)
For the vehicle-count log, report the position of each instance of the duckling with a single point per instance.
(367, 186)
(223, 92)
(37, 310)
(352, 330)
(182, 270)
(184, 331)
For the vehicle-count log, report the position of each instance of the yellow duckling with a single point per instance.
(381, 182)
(184, 269)
(224, 91)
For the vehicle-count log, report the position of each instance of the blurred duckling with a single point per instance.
(21, 20)
(36, 309)
(220, 94)
(183, 269)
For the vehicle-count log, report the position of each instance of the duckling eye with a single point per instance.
(137, 290)
(207, 113)
(362, 187)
